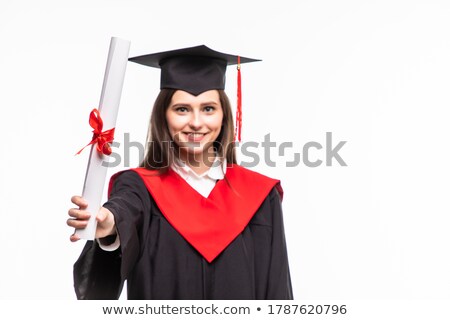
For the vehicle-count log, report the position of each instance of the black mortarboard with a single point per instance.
(195, 69)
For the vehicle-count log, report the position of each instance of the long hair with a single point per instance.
(161, 150)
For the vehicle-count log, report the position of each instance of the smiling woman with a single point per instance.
(194, 124)
(189, 223)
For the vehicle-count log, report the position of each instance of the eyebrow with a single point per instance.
(208, 103)
(180, 105)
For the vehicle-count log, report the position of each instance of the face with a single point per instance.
(194, 122)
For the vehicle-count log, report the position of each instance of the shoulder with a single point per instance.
(133, 174)
(269, 211)
(250, 178)
(123, 176)
(130, 178)
(237, 171)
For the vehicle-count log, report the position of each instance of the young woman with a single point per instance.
(189, 223)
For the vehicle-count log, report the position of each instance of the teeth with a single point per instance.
(196, 134)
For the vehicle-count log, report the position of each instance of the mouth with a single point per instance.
(194, 136)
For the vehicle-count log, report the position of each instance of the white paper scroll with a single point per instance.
(109, 106)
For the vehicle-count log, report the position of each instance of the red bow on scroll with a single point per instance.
(103, 139)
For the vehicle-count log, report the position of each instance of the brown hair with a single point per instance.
(161, 150)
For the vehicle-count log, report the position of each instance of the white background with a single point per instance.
(374, 73)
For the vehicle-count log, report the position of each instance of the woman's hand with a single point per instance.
(79, 219)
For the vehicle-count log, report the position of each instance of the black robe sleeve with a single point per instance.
(279, 286)
(100, 274)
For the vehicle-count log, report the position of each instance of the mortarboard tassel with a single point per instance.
(237, 134)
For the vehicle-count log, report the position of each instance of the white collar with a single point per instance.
(215, 172)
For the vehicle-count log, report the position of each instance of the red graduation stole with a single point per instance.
(209, 224)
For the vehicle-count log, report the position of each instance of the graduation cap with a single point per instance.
(195, 70)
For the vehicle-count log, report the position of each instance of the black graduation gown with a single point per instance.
(158, 263)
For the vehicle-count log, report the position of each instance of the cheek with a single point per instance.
(174, 123)
(215, 123)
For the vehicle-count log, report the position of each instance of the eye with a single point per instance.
(181, 109)
(209, 109)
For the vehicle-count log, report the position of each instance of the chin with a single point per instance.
(194, 148)
(190, 147)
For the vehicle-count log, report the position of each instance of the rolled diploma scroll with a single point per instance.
(94, 181)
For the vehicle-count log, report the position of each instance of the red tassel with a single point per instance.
(238, 128)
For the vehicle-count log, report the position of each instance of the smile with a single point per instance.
(195, 136)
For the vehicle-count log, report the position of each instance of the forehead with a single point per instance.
(184, 97)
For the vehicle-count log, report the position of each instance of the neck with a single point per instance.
(199, 162)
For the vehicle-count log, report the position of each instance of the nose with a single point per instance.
(195, 122)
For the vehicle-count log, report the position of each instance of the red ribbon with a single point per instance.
(103, 139)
